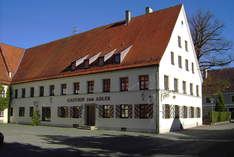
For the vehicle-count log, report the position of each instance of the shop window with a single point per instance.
(76, 111)
(46, 113)
(177, 112)
(185, 112)
(63, 112)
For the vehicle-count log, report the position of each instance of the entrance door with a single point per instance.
(46, 114)
(90, 114)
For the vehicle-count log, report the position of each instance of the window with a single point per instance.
(63, 112)
(177, 112)
(166, 82)
(116, 58)
(175, 85)
(124, 84)
(32, 92)
(198, 112)
(2, 93)
(107, 111)
(76, 88)
(185, 111)
(64, 89)
(90, 87)
(1, 113)
(172, 58)
(167, 111)
(193, 68)
(186, 45)
(191, 89)
(191, 112)
(106, 85)
(179, 41)
(76, 111)
(184, 87)
(186, 65)
(124, 110)
(16, 93)
(179, 61)
(208, 100)
(41, 91)
(144, 82)
(197, 90)
(146, 111)
(23, 92)
(51, 90)
(30, 111)
(11, 111)
(232, 98)
(21, 111)
(86, 63)
(46, 114)
(101, 61)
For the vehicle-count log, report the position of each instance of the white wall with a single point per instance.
(133, 96)
(173, 71)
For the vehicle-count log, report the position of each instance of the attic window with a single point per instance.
(101, 61)
(117, 58)
(86, 63)
(73, 66)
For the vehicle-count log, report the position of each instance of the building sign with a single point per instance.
(89, 99)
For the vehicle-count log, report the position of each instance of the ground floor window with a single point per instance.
(46, 114)
(185, 111)
(123, 111)
(106, 111)
(21, 111)
(76, 111)
(143, 111)
(198, 112)
(177, 112)
(191, 112)
(31, 111)
(63, 112)
(1, 114)
(167, 111)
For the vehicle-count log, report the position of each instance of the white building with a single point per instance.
(140, 74)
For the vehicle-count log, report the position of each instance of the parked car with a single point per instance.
(1, 138)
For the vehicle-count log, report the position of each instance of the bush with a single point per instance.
(220, 106)
(219, 116)
(36, 118)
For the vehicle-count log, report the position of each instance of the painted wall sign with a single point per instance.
(89, 99)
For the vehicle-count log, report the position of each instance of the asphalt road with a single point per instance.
(41, 141)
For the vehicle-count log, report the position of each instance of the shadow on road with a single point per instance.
(191, 143)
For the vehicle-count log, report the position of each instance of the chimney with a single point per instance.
(128, 16)
(148, 10)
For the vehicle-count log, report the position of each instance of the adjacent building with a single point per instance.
(209, 99)
(139, 74)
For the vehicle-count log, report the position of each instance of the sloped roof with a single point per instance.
(147, 34)
(10, 58)
(226, 74)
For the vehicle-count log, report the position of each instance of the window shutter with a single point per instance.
(100, 108)
(111, 111)
(137, 110)
(129, 111)
(117, 111)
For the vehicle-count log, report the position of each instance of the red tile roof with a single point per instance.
(10, 58)
(148, 34)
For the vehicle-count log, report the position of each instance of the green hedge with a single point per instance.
(219, 116)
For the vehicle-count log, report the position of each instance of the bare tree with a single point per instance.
(211, 48)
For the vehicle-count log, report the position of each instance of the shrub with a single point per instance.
(36, 118)
(220, 106)
(219, 116)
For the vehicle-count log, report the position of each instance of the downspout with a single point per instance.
(157, 100)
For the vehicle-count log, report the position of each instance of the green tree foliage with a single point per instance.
(4, 100)
(220, 106)
(36, 117)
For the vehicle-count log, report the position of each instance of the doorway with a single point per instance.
(46, 114)
(90, 114)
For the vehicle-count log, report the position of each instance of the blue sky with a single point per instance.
(27, 23)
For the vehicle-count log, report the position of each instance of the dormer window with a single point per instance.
(86, 63)
(117, 59)
(101, 61)
(73, 66)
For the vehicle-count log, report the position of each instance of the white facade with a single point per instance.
(4, 114)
